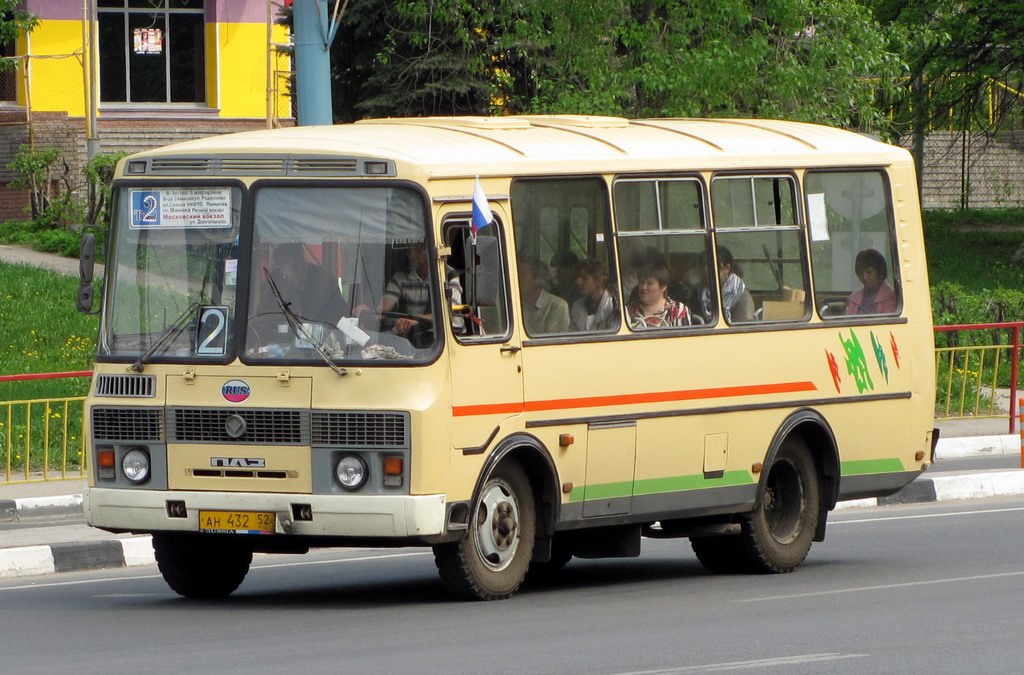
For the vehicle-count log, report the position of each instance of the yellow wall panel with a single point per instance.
(242, 48)
(56, 77)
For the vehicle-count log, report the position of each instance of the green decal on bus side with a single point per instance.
(863, 467)
(652, 486)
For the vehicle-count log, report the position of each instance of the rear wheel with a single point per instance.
(201, 567)
(490, 562)
(718, 554)
(777, 536)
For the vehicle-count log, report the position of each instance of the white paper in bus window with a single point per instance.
(817, 217)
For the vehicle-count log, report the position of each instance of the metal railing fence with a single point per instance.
(976, 372)
(42, 439)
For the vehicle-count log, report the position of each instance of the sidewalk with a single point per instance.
(43, 530)
(19, 255)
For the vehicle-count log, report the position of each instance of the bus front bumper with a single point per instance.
(398, 516)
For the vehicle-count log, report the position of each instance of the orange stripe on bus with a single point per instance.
(631, 399)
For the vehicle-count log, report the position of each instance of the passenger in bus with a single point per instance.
(308, 290)
(653, 307)
(408, 292)
(876, 296)
(647, 256)
(564, 266)
(595, 308)
(737, 305)
(543, 313)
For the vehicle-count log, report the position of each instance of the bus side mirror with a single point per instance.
(86, 267)
(488, 271)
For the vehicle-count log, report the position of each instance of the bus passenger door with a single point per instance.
(486, 359)
(611, 450)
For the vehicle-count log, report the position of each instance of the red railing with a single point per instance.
(45, 376)
(964, 352)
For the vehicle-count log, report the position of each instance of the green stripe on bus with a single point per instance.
(861, 467)
(650, 486)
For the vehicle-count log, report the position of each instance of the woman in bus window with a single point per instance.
(653, 308)
(595, 309)
(737, 305)
(877, 296)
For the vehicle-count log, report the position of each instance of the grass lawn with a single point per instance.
(41, 332)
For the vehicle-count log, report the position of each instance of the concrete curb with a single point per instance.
(76, 556)
(949, 488)
(977, 446)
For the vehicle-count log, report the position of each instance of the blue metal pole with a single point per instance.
(312, 62)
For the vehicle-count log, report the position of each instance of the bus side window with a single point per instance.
(475, 272)
(759, 248)
(661, 224)
(849, 215)
(562, 231)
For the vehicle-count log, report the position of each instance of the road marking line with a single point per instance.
(883, 587)
(300, 563)
(925, 515)
(82, 582)
(746, 665)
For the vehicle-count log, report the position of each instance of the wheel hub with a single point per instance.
(497, 526)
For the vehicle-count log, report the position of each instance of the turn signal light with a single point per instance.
(394, 467)
(105, 459)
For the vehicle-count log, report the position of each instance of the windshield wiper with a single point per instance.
(171, 332)
(296, 327)
(174, 330)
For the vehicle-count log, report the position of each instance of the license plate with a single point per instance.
(237, 522)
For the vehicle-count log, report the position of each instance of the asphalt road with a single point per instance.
(912, 589)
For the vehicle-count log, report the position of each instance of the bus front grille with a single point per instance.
(126, 386)
(221, 425)
(127, 424)
(360, 429)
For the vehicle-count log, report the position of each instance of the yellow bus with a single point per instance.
(703, 329)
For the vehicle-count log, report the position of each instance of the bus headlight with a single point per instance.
(135, 465)
(351, 472)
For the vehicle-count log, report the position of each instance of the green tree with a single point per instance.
(412, 57)
(955, 50)
(815, 60)
(14, 22)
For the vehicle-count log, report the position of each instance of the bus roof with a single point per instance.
(466, 146)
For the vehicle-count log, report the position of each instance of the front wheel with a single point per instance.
(195, 566)
(491, 561)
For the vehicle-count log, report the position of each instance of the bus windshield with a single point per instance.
(339, 275)
(336, 275)
(175, 269)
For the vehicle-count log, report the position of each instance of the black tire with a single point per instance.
(720, 555)
(491, 561)
(201, 567)
(777, 536)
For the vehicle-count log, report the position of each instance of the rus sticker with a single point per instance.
(235, 391)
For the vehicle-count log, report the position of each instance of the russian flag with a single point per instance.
(481, 209)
